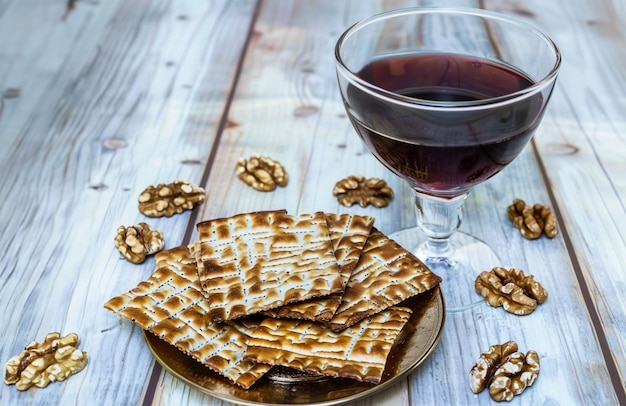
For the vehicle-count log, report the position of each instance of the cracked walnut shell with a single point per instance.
(169, 199)
(261, 173)
(532, 221)
(136, 242)
(53, 360)
(516, 292)
(357, 189)
(505, 370)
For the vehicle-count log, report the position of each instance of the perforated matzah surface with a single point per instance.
(254, 262)
(359, 352)
(348, 234)
(170, 305)
(385, 275)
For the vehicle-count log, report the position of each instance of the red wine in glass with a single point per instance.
(443, 152)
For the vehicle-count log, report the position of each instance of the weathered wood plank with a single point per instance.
(113, 97)
(582, 146)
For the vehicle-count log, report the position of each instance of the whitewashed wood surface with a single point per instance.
(101, 99)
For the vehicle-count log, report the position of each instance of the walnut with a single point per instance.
(136, 242)
(505, 370)
(515, 373)
(489, 361)
(532, 221)
(262, 173)
(170, 199)
(357, 189)
(512, 289)
(55, 359)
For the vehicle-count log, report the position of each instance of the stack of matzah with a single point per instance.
(327, 286)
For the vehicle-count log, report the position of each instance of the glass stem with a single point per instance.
(439, 218)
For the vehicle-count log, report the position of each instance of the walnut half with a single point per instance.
(532, 221)
(54, 359)
(136, 242)
(487, 363)
(516, 292)
(517, 372)
(169, 199)
(505, 370)
(357, 189)
(261, 173)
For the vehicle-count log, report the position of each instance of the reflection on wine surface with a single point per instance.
(445, 98)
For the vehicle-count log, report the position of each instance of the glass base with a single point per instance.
(468, 257)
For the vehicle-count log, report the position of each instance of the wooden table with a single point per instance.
(101, 99)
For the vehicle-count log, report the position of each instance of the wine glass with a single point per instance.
(445, 98)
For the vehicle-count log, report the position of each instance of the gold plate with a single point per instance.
(416, 343)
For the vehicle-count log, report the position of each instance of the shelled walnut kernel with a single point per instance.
(487, 363)
(261, 173)
(54, 359)
(516, 292)
(136, 242)
(505, 370)
(532, 221)
(169, 199)
(357, 189)
(514, 375)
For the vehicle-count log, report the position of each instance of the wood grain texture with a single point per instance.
(581, 144)
(113, 97)
(101, 99)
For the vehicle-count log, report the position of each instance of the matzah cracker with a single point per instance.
(385, 275)
(170, 305)
(348, 234)
(254, 262)
(359, 352)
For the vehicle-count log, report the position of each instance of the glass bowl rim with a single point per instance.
(491, 102)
